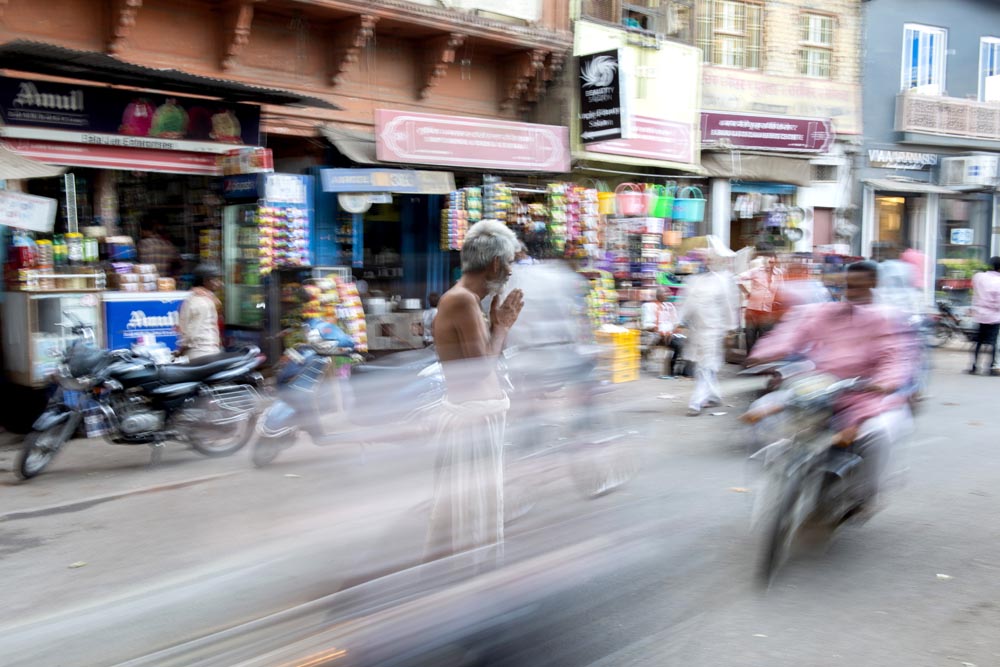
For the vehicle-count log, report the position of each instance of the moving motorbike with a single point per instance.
(948, 326)
(207, 404)
(809, 482)
(374, 403)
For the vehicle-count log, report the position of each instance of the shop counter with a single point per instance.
(130, 315)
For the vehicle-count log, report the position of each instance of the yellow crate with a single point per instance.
(625, 375)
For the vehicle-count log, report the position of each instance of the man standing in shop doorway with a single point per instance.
(199, 323)
(986, 312)
(467, 507)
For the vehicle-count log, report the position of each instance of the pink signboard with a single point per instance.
(462, 141)
(769, 133)
(116, 157)
(654, 139)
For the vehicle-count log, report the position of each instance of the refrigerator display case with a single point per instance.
(266, 227)
(34, 335)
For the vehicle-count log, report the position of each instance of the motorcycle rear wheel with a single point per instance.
(217, 440)
(39, 449)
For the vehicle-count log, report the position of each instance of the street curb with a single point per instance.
(86, 503)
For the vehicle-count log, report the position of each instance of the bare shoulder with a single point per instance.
(458, 299)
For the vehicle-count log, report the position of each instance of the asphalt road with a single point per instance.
(104, 560)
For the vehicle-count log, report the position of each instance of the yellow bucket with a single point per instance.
(606, 203)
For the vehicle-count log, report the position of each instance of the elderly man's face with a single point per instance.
(500, 273)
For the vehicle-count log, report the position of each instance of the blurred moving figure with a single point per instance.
(709, 313)
(467, 507)
(760, 285)
(427, 317)
(860, 339)
(986, 312)
(659, 320)
(798, 288)
(199, 321)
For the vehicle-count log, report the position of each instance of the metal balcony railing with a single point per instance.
(947, 116)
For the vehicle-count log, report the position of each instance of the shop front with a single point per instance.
(141, 205)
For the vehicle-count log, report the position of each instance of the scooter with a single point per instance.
(207, 404)
(375, 401)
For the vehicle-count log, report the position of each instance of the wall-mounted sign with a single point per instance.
(962, 236)
(654, 139)
(603, 97)
(48, 111)
(910, 160)
(463, 141)
(769, 133)
(399, 181)
(36, 214)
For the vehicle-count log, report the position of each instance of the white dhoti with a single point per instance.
(467, 507)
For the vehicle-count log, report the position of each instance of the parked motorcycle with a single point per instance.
(948, 326)
(207, 404)
(374, 403)
(809, 483)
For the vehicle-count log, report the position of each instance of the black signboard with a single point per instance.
(602, 100)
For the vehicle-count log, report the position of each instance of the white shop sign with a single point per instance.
(36, 214)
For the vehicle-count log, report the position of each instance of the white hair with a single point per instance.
(485, 241)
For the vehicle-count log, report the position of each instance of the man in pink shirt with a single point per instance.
(857, 338)
(986, 312)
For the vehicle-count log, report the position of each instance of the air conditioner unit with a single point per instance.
(978, 171)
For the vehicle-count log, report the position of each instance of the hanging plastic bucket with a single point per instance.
(672, 237)
(630, 199)
(688, 207)
(662, 204)
(606, 203)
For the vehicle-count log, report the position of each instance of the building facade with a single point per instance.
(781, 116)
(928, 171)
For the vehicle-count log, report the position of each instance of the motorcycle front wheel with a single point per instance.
(39, 448)
(780, 533)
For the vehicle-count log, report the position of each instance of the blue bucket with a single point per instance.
(688, 207)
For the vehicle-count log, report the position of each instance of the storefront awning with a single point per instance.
(14, 166)
(752, 167)
(356, 146)
(890, 185)
(41, 58)
(114, 157)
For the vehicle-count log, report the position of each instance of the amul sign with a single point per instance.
(908, 160)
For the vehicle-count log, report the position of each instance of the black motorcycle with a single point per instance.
(207, 404)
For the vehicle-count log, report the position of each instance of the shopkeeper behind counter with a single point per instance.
(155, 248)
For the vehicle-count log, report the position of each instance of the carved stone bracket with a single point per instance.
(351, 36)
(440, 53)
(123, 13)
(236, 31)
(522, 74)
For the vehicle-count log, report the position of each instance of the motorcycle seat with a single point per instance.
(202, 368)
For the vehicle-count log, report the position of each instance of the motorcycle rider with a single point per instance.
(857, 338)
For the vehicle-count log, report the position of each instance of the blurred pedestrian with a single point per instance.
(156, 249)
(659, 320)
(200, 319)
(467, 507)
(797, 288)
(759, 286)
(986, 312)
(427, 317)
(709, 313)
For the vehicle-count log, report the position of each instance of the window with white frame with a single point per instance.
(816, 45)
(989, 69)
(731, 33)
(924, 58)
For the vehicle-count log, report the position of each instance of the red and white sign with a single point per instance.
(654, 139)
(461, 141)
(766, 133)
(116, 157)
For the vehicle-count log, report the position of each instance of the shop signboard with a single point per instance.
(36, 214)
(908, 160)
(127, 321)
(654, 139)
(603, 99)
(116, 157)
(73, 113)
(399, 181)
(479, 143)
(787, 134)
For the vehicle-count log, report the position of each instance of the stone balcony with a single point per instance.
(952, 117)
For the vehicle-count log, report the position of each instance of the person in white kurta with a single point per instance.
(709, 313)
